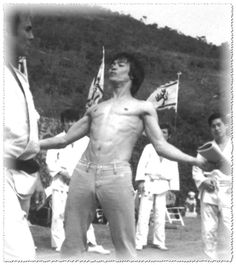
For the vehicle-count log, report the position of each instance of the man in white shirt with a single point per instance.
(21, 178)
(156, 175)
(61, 164)
(215, 194)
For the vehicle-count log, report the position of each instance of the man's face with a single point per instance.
(24, 36)
(67, 124)
(165, 133)
(218, 129)
(119, 71)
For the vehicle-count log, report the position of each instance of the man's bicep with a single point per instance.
(78, 130)
(151, 126)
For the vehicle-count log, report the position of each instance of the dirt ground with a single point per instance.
(184, 243)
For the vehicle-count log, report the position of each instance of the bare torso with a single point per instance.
(114, 130)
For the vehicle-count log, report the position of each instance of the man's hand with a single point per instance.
(209, 185)
(224, 166)
(39, 196)
(64, 176)
(205, 165)
(141, 188)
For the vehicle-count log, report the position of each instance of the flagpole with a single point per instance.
(177, 92)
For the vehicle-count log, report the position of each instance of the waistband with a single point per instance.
(105, 166)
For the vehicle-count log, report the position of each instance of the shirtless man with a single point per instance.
(104, 172)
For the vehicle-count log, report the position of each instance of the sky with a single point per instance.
(195, 18)
(210, 20)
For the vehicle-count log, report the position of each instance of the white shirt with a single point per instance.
(65, 160)
(151, 165)
(199, 177)
(20, 141)
(20, 129)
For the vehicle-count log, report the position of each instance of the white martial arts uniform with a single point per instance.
(160, 175)
(215, 209)
(21, 142)
(63, 160)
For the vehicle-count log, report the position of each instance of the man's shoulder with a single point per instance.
(95, 106)
(8, 74)
(146, 106)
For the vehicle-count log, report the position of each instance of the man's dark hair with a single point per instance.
(166, 126)
(136, 72)
(69, 115)
(214, 116)
(13, 19)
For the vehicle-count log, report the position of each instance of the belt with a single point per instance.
(29, 166)
(104, 166)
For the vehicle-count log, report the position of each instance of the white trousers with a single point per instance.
(216, 229)
(57, 227)
(18, 240)
(157, 202)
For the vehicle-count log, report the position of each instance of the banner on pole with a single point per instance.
(97, 86)
(165, 96)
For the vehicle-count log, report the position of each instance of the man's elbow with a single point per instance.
(63, 143)
(160, 147)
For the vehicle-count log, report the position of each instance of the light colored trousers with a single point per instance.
(216, 228)
(157, 202)
(111, 185)
(18, 240)
(57, 227)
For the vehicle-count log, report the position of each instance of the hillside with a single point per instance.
(68, 49)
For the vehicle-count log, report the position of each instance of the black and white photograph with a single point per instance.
(117, 131)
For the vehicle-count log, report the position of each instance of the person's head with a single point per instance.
(166, 130)
(19, 34)
(68, 118)
(191, 194)
(218, 126)
(125, 67)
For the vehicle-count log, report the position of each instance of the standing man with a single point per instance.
(21, 145)
(215, 194)
(61, 164)
(104, 173)
(155, 175)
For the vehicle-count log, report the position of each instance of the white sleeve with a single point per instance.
(142, 164)
(198, 175)
(53, 162)
(171, 171)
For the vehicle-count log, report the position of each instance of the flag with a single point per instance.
(165, 96)
(96, 87)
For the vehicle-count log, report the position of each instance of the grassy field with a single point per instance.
(184, 243)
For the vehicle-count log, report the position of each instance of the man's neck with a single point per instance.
(222, 141)
(12, 59)
(121, 91)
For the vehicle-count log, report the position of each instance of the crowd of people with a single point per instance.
(99, 172)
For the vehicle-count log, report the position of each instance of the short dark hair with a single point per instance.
(13, 18)
(69, 115)
(216, 115)
(166, 126)
(136, 72)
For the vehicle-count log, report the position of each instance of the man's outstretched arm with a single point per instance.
(162, 147)
(77, 131)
